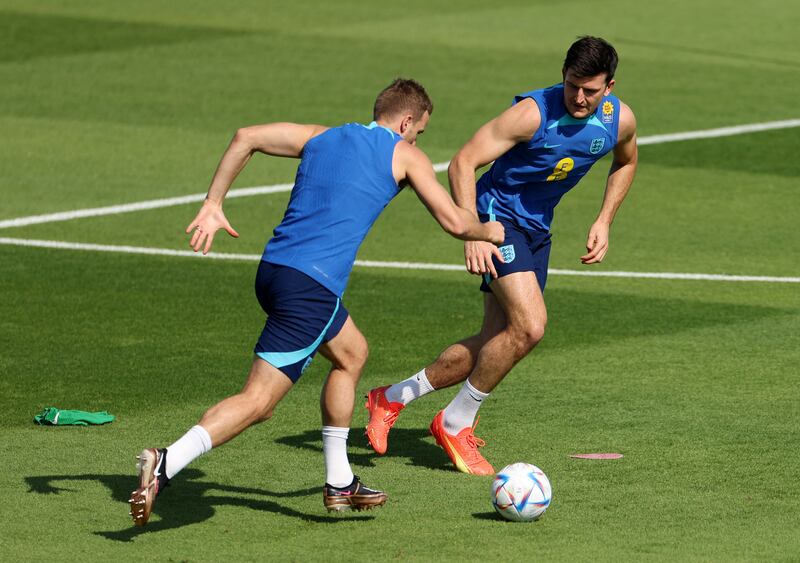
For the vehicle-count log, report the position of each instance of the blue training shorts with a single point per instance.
(524, 250)
(301, 315)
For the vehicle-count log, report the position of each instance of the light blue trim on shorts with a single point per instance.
(488, 277)
(282, 359)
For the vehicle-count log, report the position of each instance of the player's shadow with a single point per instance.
(187, 501)
(414, 444)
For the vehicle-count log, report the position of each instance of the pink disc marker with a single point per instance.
(597, 456)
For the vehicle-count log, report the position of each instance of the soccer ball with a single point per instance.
(521, 492)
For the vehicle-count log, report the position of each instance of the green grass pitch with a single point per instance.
(695, 382)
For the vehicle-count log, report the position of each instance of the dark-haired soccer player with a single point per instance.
(346, 176)
(541, 147)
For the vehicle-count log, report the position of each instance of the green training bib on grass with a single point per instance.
(51, 416)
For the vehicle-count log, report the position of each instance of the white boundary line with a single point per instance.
(439, 167)
(373, 264)
(719, 132)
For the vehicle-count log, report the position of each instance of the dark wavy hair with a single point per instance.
(590, 56)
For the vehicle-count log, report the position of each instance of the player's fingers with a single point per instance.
(482, 268)
(491, 269)
(488, 265)
(199, 243)
(231, 231)
(470, 264)
(499, 255)
(595, 256)
(587, 258)
(591, 242)
(194, 238)
(477, 265)
(209, 240)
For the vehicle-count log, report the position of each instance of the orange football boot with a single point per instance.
(382, 416)
(461, 448)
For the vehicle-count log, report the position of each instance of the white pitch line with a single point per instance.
(139, 206)
(439, 167)
(719, 132)
(375, 264)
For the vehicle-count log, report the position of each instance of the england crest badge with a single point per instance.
(597, 145)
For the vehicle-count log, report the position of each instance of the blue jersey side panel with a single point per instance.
(526, 183)
(343, 183)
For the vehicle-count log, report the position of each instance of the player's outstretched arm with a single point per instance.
(277, 139)
(515, 125)
(620, 178)
(414, 165)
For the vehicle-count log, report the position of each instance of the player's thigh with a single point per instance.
(520, 298)
(347, 350)
(266, 383)
(494, 318)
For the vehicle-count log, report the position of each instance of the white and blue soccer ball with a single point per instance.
(521, 492)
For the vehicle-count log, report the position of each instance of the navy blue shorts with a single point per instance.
(301, 315)
(524, 250)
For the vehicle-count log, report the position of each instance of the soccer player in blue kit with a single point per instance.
(541, 147)
(346, 176)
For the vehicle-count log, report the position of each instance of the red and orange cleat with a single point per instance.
(382, 416)
(462, 449)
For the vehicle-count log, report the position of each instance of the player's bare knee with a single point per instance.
(359, 355)
(528, 335)
(259, 405)
(263, 410)
(265, 415)
(354, 358)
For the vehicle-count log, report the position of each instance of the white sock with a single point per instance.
(409, 389)
(334, 446)
(461, 411)
(192, 445)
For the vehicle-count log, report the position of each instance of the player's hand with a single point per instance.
(478, 257)
(497, 233)
(208, 221)
(596, 243)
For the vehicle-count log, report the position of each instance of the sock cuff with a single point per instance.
(335, 432)
(422, 377)
(204, 436)
(478, 394)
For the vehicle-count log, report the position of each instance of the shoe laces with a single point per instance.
(390, 417)
(472, 440)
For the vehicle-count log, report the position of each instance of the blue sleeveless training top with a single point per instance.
(343, 183)
(525, 184)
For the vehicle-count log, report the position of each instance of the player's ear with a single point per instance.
(405, 124)
(610, 86)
